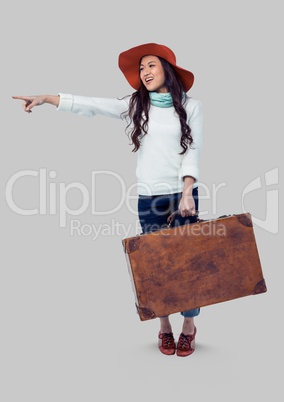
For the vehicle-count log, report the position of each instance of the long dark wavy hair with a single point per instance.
(139, 106)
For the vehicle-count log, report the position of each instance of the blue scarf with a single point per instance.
(163, 99)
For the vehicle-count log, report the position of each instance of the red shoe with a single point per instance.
(167, 343)
(186, 344)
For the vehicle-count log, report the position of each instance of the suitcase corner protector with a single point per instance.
(131, 244)
(145, 313)
(245, 219)
(260, 287)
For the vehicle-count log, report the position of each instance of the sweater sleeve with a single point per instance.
(190, 161)
(90, 106)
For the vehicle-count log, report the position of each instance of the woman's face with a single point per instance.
(152, 74)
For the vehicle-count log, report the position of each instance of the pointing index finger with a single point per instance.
(26, 98)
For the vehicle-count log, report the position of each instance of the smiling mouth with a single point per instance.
(148, 80)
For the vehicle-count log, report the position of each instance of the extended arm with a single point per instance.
(82, 105)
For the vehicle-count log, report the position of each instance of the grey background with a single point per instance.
(69, 329)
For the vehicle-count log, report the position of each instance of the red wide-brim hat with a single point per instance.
(129, 60)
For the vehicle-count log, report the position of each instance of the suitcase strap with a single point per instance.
(175, 213)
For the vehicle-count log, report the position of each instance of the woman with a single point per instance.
(165, 126)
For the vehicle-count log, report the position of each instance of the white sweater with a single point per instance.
(160, 168)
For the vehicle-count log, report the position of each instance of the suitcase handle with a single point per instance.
(173, 215)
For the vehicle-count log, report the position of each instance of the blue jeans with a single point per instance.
(153, 212)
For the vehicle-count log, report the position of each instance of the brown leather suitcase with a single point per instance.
(194, 265)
